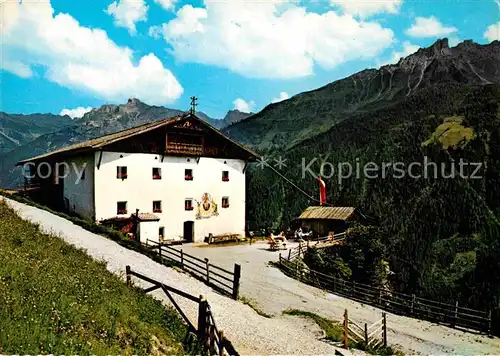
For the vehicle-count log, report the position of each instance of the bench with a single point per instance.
(224, 237)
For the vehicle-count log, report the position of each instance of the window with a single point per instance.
(121, 207)
(188, 204)
(156, 173)
(121, 172)
(161, 232)
(225, 176)
(225, 202)
(188, 174)
(157, 206)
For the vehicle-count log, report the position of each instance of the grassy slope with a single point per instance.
(55, 299)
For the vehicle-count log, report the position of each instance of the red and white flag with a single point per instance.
(322, 191)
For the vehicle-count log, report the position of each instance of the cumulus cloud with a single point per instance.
(243, 105)
(76, 112)
(270, 39)
(368, 7)
(127, 13)
(429, 27)
(492, 33)
(408, 48)
(283, 96)
(79, 57)
(166, 4)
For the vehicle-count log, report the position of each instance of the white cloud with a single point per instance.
(492, 33)
(18, 68)
(271, 39)
(155, 31)
(79, 57)
(243, 105)
(76, 112)
(408, 49)
(429, 27)
(166, 4)
(453, 41)
(127, 13)
(364, 8)
(283, 96)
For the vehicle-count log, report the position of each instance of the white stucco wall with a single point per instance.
(148, 230)
(139, 190)
(80, 193)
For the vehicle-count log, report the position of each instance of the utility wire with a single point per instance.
(308, 195)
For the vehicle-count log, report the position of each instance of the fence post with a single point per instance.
(384, 329)
(221, 343)
(345, 341)
(211, 334)
(127, 272)
(412, 302)
(366, 333)
(159, 250)
(236, 281)
(489, 323)
(208, 271)
(202, 320)
(289, 254)
(280, 259)
(182, 259)
(456, 314)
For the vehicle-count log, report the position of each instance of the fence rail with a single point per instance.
(221, 279)
(373, 336)
(399, 303)
(210, 338)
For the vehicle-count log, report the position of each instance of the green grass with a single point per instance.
(333, 330)
(252, 304)
(55, 299)
(91, 226)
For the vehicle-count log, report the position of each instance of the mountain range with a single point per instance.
(286, 123)
(23, 136)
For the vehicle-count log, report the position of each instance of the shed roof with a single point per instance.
(327, 213)
(148, 217)
(102, 141)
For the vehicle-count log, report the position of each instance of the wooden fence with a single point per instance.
(210, 338)
(395, 302)
(223, 280)
(372, 337)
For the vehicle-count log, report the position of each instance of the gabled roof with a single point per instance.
(102, 141)
(327, 213)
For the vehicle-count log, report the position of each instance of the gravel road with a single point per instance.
(250, 333)
(274, 292)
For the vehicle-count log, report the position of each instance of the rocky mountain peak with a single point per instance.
(134, 102)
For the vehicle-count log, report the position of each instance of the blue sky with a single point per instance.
(230, 54)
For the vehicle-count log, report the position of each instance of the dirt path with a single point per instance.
(250, 333)
(274, 292)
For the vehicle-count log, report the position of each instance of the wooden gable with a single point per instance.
(186, 137)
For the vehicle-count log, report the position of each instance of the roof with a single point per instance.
(327, 213)
(102, 141)
(148, 217)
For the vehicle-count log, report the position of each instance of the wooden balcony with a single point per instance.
(184, 149)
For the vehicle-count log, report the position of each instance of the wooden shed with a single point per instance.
(324, 219)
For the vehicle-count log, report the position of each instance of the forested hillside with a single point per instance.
(440, 236)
